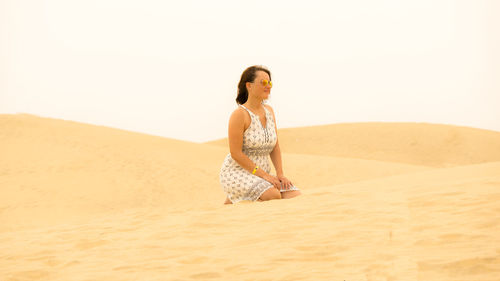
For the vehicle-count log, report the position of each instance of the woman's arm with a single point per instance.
(276, 153)
(276, 158)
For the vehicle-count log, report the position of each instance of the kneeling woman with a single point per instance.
(252, 136)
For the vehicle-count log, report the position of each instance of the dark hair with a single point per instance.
(248, 76)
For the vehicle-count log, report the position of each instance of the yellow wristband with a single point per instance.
(255, 170)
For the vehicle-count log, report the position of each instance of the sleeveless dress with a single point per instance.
(258, 143)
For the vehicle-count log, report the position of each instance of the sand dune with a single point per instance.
(422, 144)
(85, 202)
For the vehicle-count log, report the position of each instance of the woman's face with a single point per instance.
(259, 87)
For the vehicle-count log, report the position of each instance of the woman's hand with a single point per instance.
(274, 180)
(286, 183)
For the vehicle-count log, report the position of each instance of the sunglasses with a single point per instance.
(265, 82)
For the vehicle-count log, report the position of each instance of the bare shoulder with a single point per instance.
(240, 116)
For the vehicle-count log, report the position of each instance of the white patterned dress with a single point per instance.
(258, 143)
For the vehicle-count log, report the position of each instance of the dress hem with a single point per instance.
(271, 186)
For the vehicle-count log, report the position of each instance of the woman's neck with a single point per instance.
(255, 104)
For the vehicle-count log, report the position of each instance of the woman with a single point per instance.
(252, 136)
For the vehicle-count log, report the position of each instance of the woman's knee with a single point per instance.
(270, 194)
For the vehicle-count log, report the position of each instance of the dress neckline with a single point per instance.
(258, 117)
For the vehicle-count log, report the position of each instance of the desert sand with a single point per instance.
(380, 201)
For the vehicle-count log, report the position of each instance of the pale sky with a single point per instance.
(170, 68)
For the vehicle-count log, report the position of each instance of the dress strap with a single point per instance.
(251, 113)
(265, 110)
